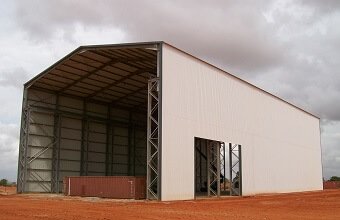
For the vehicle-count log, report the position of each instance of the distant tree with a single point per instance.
(334, 178)
(3, 182)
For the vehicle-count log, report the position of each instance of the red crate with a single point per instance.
(118, 187)
(331, 185)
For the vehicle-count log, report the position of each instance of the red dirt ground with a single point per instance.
(309, 205)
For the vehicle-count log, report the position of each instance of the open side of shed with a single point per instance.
(93, 113)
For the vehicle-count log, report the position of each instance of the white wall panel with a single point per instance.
(33, 150)
(97, 147)
(70, 144)
(96, 167)
(71, 123)
(70, 155)
(280, 143)
(41, 130)
(40, 118)
(41, 163)
(35, 187)
(44, 174)
(70, 133)
(69, 165)
(70, 105)
(39, 98)
(97, 157)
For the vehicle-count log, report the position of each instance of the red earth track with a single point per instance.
(308, 205)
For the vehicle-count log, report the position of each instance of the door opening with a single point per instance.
(217, 169)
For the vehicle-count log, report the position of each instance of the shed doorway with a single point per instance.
(217, 168)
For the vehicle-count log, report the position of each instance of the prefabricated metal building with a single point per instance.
(150, 109)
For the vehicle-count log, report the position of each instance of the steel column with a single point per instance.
(108, 154)
(56, 150)
(23, 145)
(153, 163)
(208, 167)
(235, 169)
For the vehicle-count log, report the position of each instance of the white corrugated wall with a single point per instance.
(280, 143)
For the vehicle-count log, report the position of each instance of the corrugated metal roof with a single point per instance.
(115, 74)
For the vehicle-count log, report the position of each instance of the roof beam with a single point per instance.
(129, 94)
(120, 81)
(88, 74)
(118, 59)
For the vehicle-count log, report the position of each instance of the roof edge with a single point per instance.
(89, 47)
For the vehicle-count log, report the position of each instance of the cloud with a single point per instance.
(9, 143)
(331, 149)
(225, 32)
(13, 77)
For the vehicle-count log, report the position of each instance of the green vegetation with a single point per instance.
(334, 178)
(3, 182)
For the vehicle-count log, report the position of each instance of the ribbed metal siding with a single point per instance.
(280, 143)
(117, 187)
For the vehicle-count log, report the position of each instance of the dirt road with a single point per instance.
(311, 205)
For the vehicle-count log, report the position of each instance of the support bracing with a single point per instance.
(223, 187)
(56, 154)
(214, 168)
(22, 168)
(153, 140)
(235, 170)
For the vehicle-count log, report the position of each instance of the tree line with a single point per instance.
(5, 182)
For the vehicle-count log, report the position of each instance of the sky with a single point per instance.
(288, 48)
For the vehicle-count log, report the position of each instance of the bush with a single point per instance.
(3, 182)
(334, 178)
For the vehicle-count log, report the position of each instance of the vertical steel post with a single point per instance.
(153, 142)
(240, 169)
(134, 149)
(208, 167)
(87, 148)
(129, 146)
(56, 149)
(107, 149)
(235, 168)
(224, 170)
(83, 136)
(230, 170)
(112, 146)
(23, 145)
(218, 167)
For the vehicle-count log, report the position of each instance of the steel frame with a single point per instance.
(235, 169)
(22, 160)
(56, 150)
(213, 164)
(223, 187)
(153, 141)
(52, 185)
(24, 163)
(51, 182)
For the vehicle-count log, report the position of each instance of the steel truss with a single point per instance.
(223, 168)
(215, 168)
(25, 160)
(22, 161)
(52, 132)
(153, 141)
(235, 169)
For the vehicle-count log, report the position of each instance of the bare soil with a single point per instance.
(7, 190)
(309, 205)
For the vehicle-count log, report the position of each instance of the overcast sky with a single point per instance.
(289, 48)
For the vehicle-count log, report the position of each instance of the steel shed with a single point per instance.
(150, 109)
